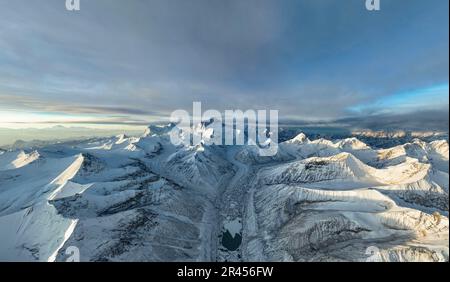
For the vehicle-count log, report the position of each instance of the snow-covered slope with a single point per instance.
(302, 224)
(328, 204)
(200, 165)
(144, 199)
(16, 159)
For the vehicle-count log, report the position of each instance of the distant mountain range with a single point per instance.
(140, 198)
(19, 138)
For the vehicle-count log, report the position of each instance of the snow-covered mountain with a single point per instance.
(145, 199)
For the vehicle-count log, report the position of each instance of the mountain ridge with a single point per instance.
(143, 199)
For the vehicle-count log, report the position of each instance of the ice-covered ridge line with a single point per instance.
(68, 174)
(67, 234)
(417, 148)
(347, 167)
(17, 159)
(62, 180)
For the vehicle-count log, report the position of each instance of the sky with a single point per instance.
(128, 63)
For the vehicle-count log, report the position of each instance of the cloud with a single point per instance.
(435, 120)
(421, 120)
(308, 59)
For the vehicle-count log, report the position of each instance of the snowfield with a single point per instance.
(144, 199)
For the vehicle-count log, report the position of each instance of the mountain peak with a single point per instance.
(300, 138)
(158, 129)
(353, 143)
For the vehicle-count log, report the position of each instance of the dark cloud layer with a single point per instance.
(433, 120)
(421, 120)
